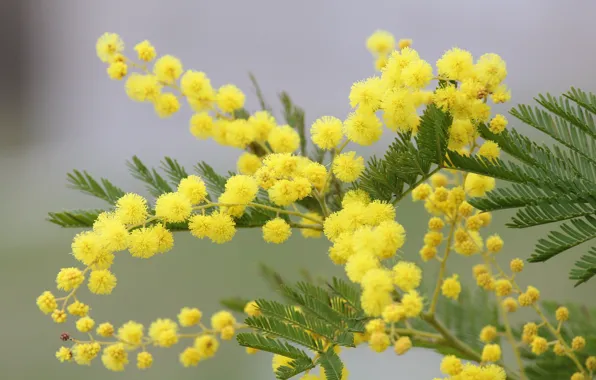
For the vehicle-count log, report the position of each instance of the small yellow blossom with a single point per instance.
(47, 302)
(380, 42)
(326, 132)
(562, 314)
(222, 319)
(105, 329)
(451, 287)
(539, 345)
(173, 207)
(190, 357)
(64, 354)
(276, 231)
(69, 278)
(229, 98)
(488, 334)
(144, 360)
(145, 51)
(207, 345)
(578, 343)
(85, 324)
(167, 69)
(347, 167)
(451, 365)
(108, 45)
(516, 265)
(491, 353)
(402, 345)
(379, 341)
(189, 316)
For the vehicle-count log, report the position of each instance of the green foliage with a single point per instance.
(173, 170)
(408, 163)
(75, 218)
(332, 364)
(294, 116)
(550, 183)
(102, 189)
(155, 183)
(549, 365)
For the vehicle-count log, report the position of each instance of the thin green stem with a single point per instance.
(443, 268)
(257, 205)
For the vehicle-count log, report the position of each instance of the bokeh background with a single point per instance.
(59, 111)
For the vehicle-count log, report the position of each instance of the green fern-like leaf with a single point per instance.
(270, 345)
(275, 327)
(102, 189)
(215, 183)
(548, 183)
(293, 368)
(332, 365)
(155, 183)
(74, 219)
(174, 170)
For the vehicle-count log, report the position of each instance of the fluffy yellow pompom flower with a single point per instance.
(456, 64)
(64, 354)
(491, 69)
(229, 98)
(375, 301)
(516, 265)
(402, 345)
(491, 353)
(69, 278)
(283, 139)
(193, 188)
(488, 334)
(101, 281)
(144, 360)
(85, 324)
(591, 363)
(490, 150)
(189, 316)
(342, 249)
(242, 189)
(167, 69)
(145, 51)
(115, 357)
(262, 123)
(451, 365)
(173, 207)
(248, 163)
(166, 105)
(195, 84)
(421, 192)
(501, 94)
(347, 167)
(379, 341)
(190, 357)
(200, 225)
(503, 287)
(105, 329)
(412, 303)
(578, 343)
(359, 264)
(428, 252)
(367, 95)
(562, 314)
(252, 309)
(380, 43)
(363, 127)
(510, 304)
(163, 332)
(132, 333)
(131, 209)
(407, 275)
(276, 231)
(117, 70)
(494, 243)
(477, 185)
(498, 124)
(47, 302)
(143, 242)
(84, 353)
(222, 228)
(451, 287)
(207, 346)
(393, 313)
(326, 132)
(201, 125)
(108, 45)
(417, 74)
(143, 88)
(59, 316)
(222, 319)
(539, 345)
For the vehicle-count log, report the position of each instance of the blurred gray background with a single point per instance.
(59, 111)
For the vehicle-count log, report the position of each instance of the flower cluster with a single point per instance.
(274, 178)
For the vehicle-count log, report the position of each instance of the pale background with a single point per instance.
(59, 111)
